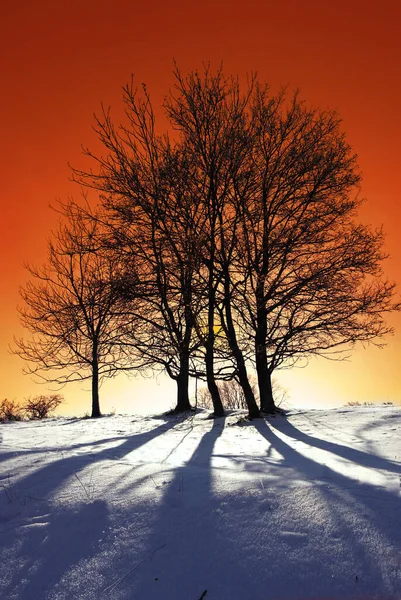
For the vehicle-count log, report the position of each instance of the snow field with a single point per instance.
(306, 506)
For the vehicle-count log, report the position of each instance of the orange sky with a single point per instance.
(59, 60)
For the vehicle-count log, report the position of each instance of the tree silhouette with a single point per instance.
(152, 220)
(243, 226)
(312, 282)
(72, 307)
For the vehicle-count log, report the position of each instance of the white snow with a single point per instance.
(306, 506)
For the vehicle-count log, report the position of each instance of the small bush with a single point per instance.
(10, 411)
(41, 407)
(232, 395)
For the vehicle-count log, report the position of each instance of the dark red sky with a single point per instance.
(59, 60)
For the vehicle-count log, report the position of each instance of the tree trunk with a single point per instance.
(183, 403)
(95, 385)
(264, 378)
(253, 409)
(218, 408)
(265, 387)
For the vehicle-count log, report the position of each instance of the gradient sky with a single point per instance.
(60, 60)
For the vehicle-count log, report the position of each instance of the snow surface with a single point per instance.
(306, 506)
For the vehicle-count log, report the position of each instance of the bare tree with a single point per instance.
(73, 309)
(244, 228)
(168, 200)
(312, 280)
(166, 280)
(209, 112)
(153, 219)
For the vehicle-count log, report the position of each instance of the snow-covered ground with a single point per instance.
(306, 506)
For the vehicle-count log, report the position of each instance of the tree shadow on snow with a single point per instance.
(215, 530)
(210, 524)
(47, 546)
(362, 518)
(359, 457)
(53, 543)
(185, 524)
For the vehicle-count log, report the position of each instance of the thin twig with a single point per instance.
(83, 487)
(153, 479)
(150, 556)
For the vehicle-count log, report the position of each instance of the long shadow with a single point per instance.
(48, 449)
(186, 515)
(51, 476)
(358, 457)
(351, 502)
(44, 536)
(51, 548)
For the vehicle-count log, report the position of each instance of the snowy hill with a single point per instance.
(184, 508)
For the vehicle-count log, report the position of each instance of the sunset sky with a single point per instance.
(61, 59)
